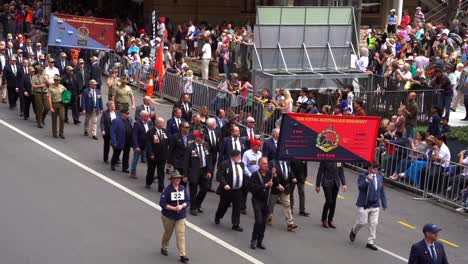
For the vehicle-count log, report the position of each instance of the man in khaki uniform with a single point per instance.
(112, 83)
(56, 106)
(40, 86)
(123, 94)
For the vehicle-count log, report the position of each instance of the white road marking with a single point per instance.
(152, 204)
(134, 194)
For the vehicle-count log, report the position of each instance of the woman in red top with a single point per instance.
(405, 19)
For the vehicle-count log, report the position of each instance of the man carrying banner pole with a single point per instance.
(371, 195)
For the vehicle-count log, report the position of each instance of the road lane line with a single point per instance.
(393, 254)
(341, 197)
(448, 243)
(310, 184)
(134, 194)
(406, 224)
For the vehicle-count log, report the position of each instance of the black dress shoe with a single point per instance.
(21, 114)
(237, 228)
(253, 244)
(55, 136)
(40, 126)
(62, 136)
(217, 221)
(304, 213)
(95, 138)
(85, 134)
(324, 224)
(193, 212)
(125, 171)
(113, 168)
(211, 190)
(200, 210)
(331, 225)
(352, 235)
(243, 211)
(371, 246)
(106, 162)
(260, 245)
(148, 186)
(184, 259)
(163, 252)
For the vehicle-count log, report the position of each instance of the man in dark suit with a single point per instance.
(9, 52)
(19, 42)
(299, 168)
(186, 106)
(71, 83)
(220, 118)
(20, 56)
(91, 105)
(196, 124)
(197, 165)
(26, 91)
(139, 137)
(249, 131)
(157, 149)
(269, 147)
(174, 123)
(40, 52)
(260, 186)
(282, 192)
(11, 76)
(177, 146)
(96, 73)
(330, 176)
(428, 250)
(212, 137)
(105, 125)
(147, 107)
(371, 196)
(22, 67)
(121, 139)
(62, 63)
(28, 49)
(234, 142)
(226, 129)
(81, 74)
(231, 180)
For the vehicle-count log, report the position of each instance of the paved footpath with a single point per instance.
(62, 204)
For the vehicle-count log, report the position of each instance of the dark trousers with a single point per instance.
(158, 167)
(261, 212)
(75, 109)
(26, 105)
(465, 102)
(245, 192)
(21, 99)
(226, 198)
(330, 202)
(214, 159)
(125, 158)
(107, 140)
(198, 189)
(300, 191)
(12, 96)
(436, 179)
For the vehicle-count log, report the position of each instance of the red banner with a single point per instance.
(329, 138)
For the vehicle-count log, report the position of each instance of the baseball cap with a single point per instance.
(431, 228)
(255, 142)
(197, 134)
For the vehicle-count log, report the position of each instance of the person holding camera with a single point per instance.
(371, 196)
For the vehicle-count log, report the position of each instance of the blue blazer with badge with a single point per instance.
(118, 132)
(87, 103)
(420, 254)
(171, 126)
(226, 148)
(367, 192)
(269, 150)
(139, 134)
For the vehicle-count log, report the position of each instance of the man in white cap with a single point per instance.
(419, 17)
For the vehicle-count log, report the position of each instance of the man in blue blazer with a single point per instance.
(269, 147)
(428, 250)
(139, 136)
(234, 142)
(371, 196)
(91, 104)
(173, 124)
(121, 138)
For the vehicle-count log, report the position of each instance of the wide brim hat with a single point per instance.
(123, 79)
(174, 175)
(39, 67)
(57, 77)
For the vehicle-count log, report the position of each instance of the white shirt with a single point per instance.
(250, 160)
(190, 32)
(444, 153)
(363, 62)
(302, 99)
(51, 73)
(112, 115)
(236, 176)
(248, 133)
(206, 50)
(146, 126)
(236, 144)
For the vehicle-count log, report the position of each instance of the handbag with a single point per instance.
(66, 97)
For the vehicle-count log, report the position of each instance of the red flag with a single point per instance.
(158, 66)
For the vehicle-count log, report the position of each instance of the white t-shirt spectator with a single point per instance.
(51, 73)
(421, 62)
(363, 62)
(190, 32)
(444, 153)
(206, 50)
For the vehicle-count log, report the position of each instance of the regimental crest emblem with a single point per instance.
(328, 139)
(83, 32)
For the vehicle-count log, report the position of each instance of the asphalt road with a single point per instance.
(62, 204)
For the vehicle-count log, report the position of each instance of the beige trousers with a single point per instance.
(367, 216)
(169, 225)
(93, 117)
(284, 200)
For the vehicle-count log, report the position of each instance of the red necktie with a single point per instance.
(251, 135)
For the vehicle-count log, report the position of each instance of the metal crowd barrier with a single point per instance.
(418, 172)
